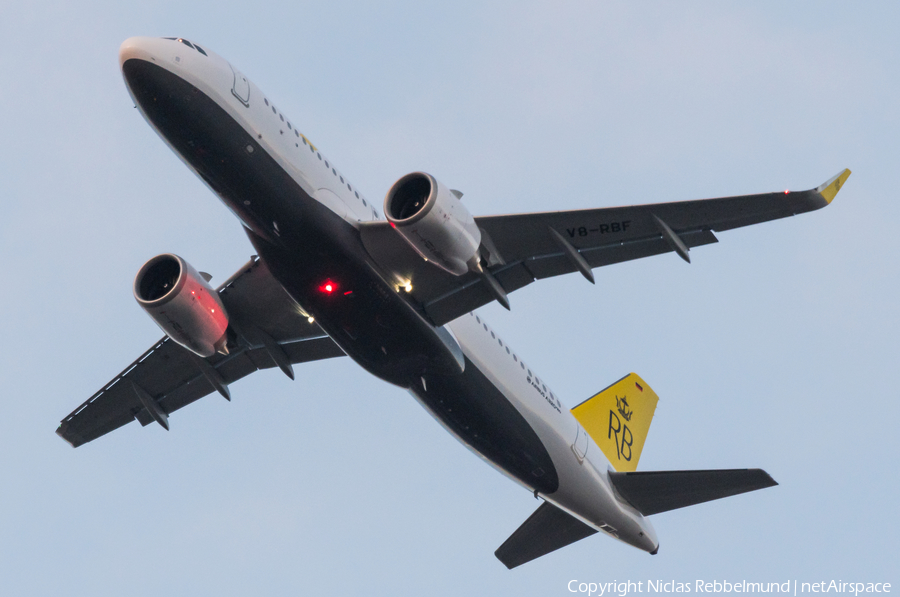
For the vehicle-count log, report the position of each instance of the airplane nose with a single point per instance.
(140, 48)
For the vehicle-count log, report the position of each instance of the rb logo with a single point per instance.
(623, 445)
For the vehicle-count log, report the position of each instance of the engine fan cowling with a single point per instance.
(182, 303)
(433, 221)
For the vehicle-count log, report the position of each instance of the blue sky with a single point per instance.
(776, 348)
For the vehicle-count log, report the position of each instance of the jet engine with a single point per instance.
(183, 304)
(433, 220)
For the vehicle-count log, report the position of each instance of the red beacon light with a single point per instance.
(328, 287)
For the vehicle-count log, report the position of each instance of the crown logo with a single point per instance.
(622, 406)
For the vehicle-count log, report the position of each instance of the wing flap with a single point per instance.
(660, 491)
(545, 531)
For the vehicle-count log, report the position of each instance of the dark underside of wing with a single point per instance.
(172, 377)
(522, 248)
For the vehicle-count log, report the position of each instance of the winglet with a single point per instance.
(829, 189)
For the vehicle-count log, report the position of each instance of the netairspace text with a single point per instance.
(791, 587)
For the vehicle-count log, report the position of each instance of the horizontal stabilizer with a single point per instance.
(661, 491)
(547, 530)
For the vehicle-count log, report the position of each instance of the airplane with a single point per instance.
(399, 294)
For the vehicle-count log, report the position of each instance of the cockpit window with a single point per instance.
(188, 44)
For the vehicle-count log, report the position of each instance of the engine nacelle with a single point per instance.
(433, 221)
(183, 304)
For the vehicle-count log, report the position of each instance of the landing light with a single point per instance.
(408, 287)
(310, 319)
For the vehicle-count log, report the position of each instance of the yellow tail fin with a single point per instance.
(618, 419)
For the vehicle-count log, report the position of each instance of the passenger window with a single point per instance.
(326, 164)
(364, 202)
(274, 111)
(342, 178)
(485, 327)
(333, 172)
(266, 100)
(478, 319)
(507, 350)
(289, 126)
(357, 195)
(319, 154)
(281, 117)
(492, 335)
(348, 187)
(500, 341)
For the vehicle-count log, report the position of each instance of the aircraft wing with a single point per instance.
(273, 332)
(522, 248)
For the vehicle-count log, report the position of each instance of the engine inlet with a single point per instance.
(158, 278)
(409, 196)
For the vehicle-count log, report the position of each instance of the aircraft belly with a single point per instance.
(363, 314)
(480, 415)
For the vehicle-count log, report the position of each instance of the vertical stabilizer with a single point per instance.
(618, 419)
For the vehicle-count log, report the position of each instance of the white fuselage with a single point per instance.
(584, 489)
